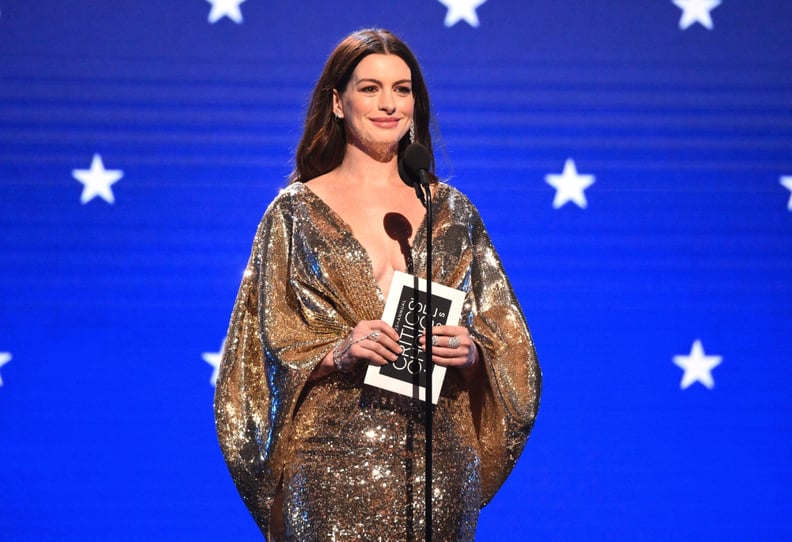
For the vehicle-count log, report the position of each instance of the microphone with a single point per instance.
(413, 168)
(417, 162)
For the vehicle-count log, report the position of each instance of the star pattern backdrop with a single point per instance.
(631, 159)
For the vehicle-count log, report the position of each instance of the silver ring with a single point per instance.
(435, 340)
(453, 342)
(374, 334)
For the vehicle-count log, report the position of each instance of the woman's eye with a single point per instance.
(369, 89)
(403, 91)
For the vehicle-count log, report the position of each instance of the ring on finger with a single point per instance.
(435, 340)
(374, 335)
(453, 342)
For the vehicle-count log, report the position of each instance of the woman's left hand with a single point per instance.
(452, 346)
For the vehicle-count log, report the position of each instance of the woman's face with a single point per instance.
(377, 104)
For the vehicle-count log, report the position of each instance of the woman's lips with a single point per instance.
(388, 122)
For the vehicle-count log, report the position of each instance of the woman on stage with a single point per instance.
(315, 453)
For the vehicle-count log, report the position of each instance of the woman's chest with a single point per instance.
(387, 235)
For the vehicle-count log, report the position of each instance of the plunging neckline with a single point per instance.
(346, 229)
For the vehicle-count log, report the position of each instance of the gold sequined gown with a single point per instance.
(344, 461)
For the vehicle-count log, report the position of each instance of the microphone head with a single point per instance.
(408, 180)
(416, 158)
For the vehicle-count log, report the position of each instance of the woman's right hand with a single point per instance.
(374, 341)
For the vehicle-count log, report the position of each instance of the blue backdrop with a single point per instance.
(632, 160)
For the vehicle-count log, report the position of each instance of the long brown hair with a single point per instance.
(323, 143)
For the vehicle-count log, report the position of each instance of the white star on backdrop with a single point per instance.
(696, 11)
(5, 357)
(459, 10)
(225, 8)
(97, 180)
(787, 182)
(214, 359)
(697, 366)
(569, 185)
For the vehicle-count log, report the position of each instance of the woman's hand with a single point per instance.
(452, 346)
(374, 341)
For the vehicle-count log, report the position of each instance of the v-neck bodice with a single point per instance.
(322, 208)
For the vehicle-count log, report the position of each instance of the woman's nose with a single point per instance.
(387, 103)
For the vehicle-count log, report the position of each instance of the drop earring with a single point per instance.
(412, 131)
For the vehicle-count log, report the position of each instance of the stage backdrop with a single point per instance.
(632, 160)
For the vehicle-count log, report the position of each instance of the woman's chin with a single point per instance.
(380, 149)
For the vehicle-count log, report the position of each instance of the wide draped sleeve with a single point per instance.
(242, 398)
(505, 399)
(290, 310)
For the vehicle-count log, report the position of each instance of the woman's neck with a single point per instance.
(367, 169)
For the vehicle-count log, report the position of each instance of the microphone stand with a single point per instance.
(428, 412)
(413, 169)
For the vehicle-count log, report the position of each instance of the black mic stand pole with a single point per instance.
(429, 365)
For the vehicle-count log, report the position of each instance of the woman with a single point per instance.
(315, 454)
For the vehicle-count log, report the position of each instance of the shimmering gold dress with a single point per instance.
(344, 461)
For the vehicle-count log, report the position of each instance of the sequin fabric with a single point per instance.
(335, 459)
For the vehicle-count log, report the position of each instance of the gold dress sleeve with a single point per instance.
(242, 399)
(288, 314)
(505, 402)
